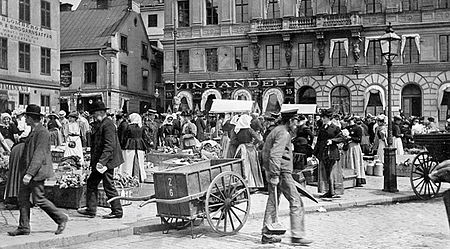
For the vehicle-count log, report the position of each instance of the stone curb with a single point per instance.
(139, 228)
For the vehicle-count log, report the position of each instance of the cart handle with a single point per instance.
(174, 201)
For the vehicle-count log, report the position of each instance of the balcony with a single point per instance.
(296, 23)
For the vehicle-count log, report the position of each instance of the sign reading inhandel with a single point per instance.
(25, 32)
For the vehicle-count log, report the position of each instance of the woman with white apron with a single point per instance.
(73, 138)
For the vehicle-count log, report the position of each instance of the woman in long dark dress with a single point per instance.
(14, 176)
(135, 148)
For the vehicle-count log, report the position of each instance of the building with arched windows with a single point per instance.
(309, 51)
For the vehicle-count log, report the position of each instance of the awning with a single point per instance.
(374, 89)
(228, 105)
(444, 88)
(302, 108)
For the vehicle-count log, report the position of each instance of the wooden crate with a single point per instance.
(190, 180)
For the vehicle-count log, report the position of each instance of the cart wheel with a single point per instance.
(175, 223)
(422, 165)
(227, 203)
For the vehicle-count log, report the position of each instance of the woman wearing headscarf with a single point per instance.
(246, 138)
(232, 135)
(54, 127)
(8, 129)
(168, 131)
(381, 137)
(134, 149)
(72, 137)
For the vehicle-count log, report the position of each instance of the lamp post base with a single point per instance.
(389, 170)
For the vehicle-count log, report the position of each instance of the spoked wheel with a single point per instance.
(422, 185)
(227, 203)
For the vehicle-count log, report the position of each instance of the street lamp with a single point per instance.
(390, 43)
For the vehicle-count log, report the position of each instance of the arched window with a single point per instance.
(307, 95)
(184, 106)
(412, 100)
(340, 100)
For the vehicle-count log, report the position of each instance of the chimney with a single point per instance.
(102, 4)
(65, 7)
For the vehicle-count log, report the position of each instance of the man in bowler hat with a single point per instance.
(105, 156)
(36, 167)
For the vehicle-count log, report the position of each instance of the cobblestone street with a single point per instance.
(407, 225)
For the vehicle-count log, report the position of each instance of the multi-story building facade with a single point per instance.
(310, 51)
(152, 12)
(29, 54)
(106, 55)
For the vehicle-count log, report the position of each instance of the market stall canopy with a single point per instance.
(229, 105)
(302, 108)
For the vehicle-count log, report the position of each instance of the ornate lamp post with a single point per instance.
(390, 43)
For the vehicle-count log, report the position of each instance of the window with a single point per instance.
(374, 105)
(145, 79)
(307, 95)
(45, 60)
(183, 61)
(45, 14)
(444, 48)
(241, 11)
(45, 103)
(339, 58)
(24, 57)
(273, 56)
(90, 72)
(24, 11)
(241, 58)
(374, 53)
(373, 6)
(305, 55)
(123, 43)
(183, 13)
(144, 54)
(123, 75)
(212, 16)
(412, 100)
(410, 5)
(273, 10)
(338, 7)
(305, 8)
(4, 7)
(443, 4)
(3, 53)
(410, 53)
(211, 60)
(340, 100)
(152, 21)
(24, 99)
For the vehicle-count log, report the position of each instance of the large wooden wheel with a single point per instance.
(423, 164)
(227, 203)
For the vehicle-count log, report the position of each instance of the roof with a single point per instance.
(90, 28)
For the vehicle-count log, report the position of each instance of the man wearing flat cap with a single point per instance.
(278, 165)
(326, 150)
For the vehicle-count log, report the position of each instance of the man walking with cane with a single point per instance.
(278, 164)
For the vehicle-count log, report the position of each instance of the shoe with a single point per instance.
(327, 195)
(359, 185)
(301, 241)
(112, 216)
(19, 232)
(86, 212)
(270, 239)
(335, 196)
(62, 225)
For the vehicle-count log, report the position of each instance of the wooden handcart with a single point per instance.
(213, 189)
(438, 150)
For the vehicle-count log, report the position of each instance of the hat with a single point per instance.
(152, 111)
(62, 113)
(53, 114)
(289, 114)
(73, 114)
(381, 117)
(33, 110)
(398, 117)
(327, 112)
(98, 106)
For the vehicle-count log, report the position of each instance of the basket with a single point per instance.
(72, 198)
(124, 192)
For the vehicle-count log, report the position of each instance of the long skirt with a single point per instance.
(14, 176)
(398, 144)
(225, 145)
(55, 137)
(354, 160)
(336, 176)
(380, 151)
(253, 171)
(134, 164)
(77, 151)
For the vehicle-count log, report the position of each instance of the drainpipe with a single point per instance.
(108, 78)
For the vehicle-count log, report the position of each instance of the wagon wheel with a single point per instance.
(227, 203)
(422, 165)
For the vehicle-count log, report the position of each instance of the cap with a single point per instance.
(289, 114)
(151, 111)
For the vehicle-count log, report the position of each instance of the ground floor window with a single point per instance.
(412, 100)
(340, 100)
(307, 95)
(375, 105)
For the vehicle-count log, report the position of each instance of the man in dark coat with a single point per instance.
(326, 150)
(106, 155)
(122, 127)
(36, 167)
(201, 126)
